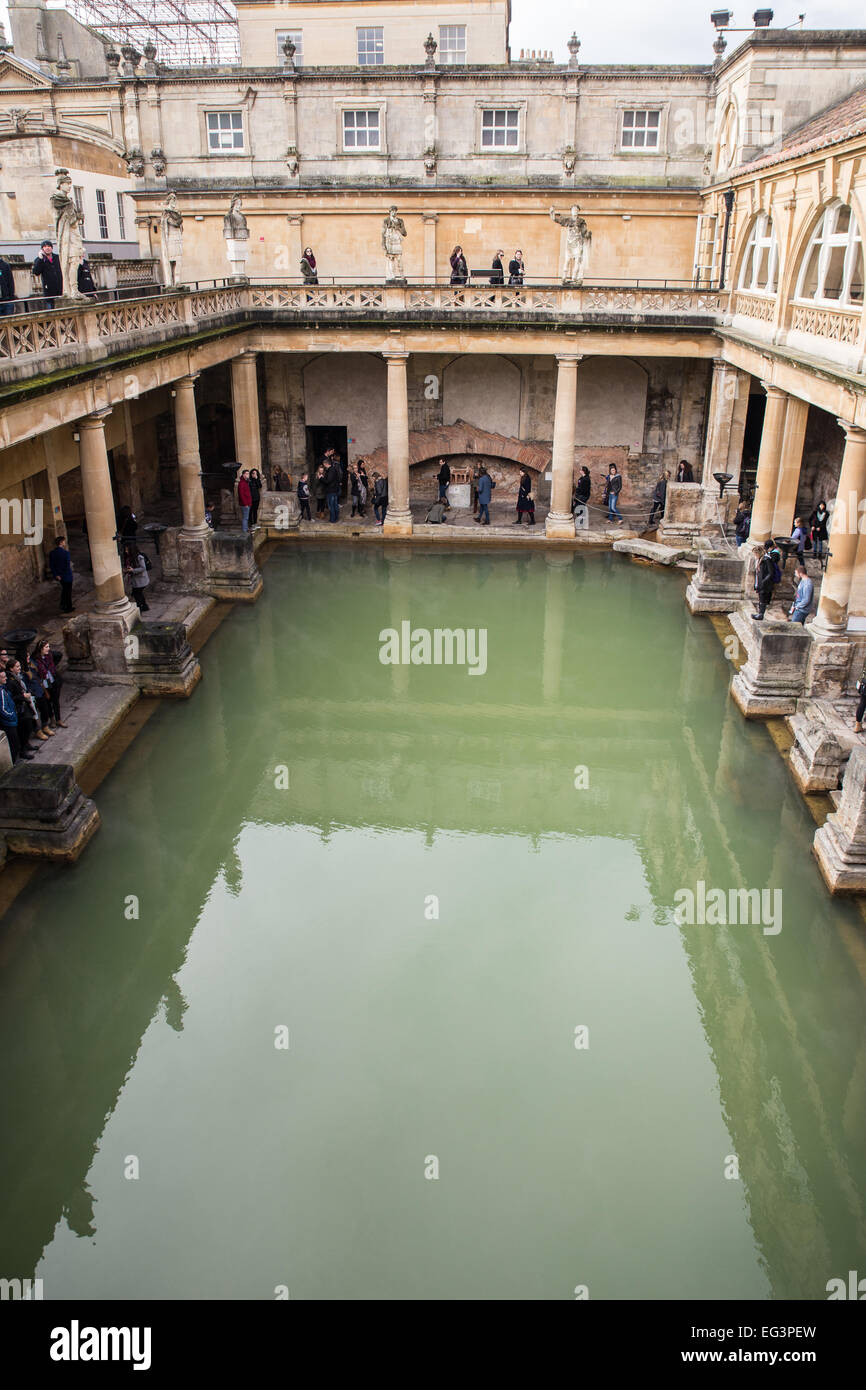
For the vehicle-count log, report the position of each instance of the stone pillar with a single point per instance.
(430, 220)
(832, 617)
(840, 843)
(245, 406)
(296, 244)
(790, 462)
(398, 519)
(188, 459)
(560, 520)
(101, 523)
(767, 477)
(719, 584)
(720, 454)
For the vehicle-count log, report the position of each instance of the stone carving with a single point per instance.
(573, 51)
(393, 232)
(18, 117)
(68, 233)
(288, 52)
(237, 235)
(577, 240)
(430, 46)
(171, 241)
(134, 160)
(430, 158)
(292, 160)
(569, 157)
(158, 161)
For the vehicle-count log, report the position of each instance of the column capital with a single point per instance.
(395, 354)
(94, 421)
(570, 357)
(188, 381)
(295, 218)
(720, 364)
(772, 390)
(430, 216)
(246, 356)
(856, 433)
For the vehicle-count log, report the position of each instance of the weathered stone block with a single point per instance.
(234, 572)
(682, 519)
(829, 668)
(650, 550)
(5, 754)
(43, 812)
(279, 511)
(166, 663)
(718, 585)
(817, 757)
(774, 677)
(840, 843)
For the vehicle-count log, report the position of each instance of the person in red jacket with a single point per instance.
(245, 498)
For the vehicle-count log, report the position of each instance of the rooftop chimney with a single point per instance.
(763, 19)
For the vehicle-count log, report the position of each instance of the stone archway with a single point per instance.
(466, 445)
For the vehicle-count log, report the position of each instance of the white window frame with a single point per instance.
(297, 38)
(346, 107)
(762, 239)
(827, 239)
(121, 216)
(646, 129)
(102, 215)
(482, 108)
(224, 152)
(78, 200)
(452, 56)
(374, 58)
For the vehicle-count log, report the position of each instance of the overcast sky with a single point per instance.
(668, 31)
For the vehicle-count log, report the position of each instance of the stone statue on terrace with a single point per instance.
(68, 233)
(577, 240)
(237, 236)
(171, 241)
(393, 232)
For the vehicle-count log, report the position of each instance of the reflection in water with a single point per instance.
(308, 907)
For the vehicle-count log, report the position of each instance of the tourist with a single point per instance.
(7, 288)
(443, 477)
(85, 278)
(60, 564)
(36, 688)
(437, 513)
(333, 482)
(525, 503)
(459, 268)
(355, 489)
(803, 597)
(743, 523)
(799, 537)
(245, 498)
(485, 488)
(767, 576)
(659, 497)
(255, 481)
(127, 525)
(583, 488)
(612, 489)
(9, 720)
(304, 497)
(45, 666)
(498, 273)
(25, 705)
(684, 472)
(861, 704)
(320, 489)
(46, 268)
(819, 520)
(380, 499)
(308, 267)
(135, 565)
(363, 486)
(516, 269)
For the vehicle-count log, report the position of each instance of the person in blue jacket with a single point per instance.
(9, 721)
(485, 488)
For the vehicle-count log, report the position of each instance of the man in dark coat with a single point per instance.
(7, 288)
(444, 478)
(333, 483)
(60, 564)
(659, 498)
(85, 278)
(47, 268)
(767, 576)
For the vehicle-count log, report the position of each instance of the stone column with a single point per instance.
(101, 523)
(725, 391)
(767, 477)
(245, 406)
(840, 843)
(430, 220)
(398, 519)
(832, 616)
(296, 244)
(790, 462)
(188, 459)
(560, 520)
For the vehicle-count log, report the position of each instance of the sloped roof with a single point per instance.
(841, 121)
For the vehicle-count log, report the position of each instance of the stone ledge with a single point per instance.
(650, 550)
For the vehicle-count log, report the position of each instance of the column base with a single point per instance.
(774, 677)
(43, 812)
(166, 663)
(559, 525)
(234, 574)
(719, 584)
(397, 523)
(823, 631)
(195, 533)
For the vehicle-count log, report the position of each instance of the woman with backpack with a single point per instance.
(768, 574)
(135, 565)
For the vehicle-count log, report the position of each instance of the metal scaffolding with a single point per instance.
(184, 34)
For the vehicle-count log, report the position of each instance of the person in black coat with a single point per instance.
(525, 504)
(85, 278)
(516, 269)
(684, 472)
(459, 268)
(255, 482)
(767, 575)
(443, 477)
(7, 288)
(498, 276)
(659, 498)
(46, 268)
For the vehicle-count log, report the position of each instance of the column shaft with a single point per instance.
(560, 520)
(245, 407)
(832, 616)
(767, 477)
(99, 513)
(398, 519)
(188, 458)
(790, 462)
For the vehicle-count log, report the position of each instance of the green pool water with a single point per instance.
(424, 881)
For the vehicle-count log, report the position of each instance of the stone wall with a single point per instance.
(822, 461)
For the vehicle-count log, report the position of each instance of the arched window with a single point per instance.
(728, 138)
(832, 270)
(760, 273)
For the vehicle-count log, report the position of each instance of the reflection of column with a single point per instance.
(790, 462)
(768, 464)
(188, 460)
(832, 616)
(245, 406)
(398, 558)
(560, 520)
(398, 518)
(99, 513)
(558, 583)
(430, 220)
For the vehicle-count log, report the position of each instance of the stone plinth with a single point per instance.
(840, 843)
(234, 573)
(43, 812)
(649, 550)
(719, 584)
(5, 754)
(774, 677)
(98, 642)
(460, 496)
(166, 663)
(717, 513)
(279, 511)
(683, 514)
(829, 668)
(817, 757)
